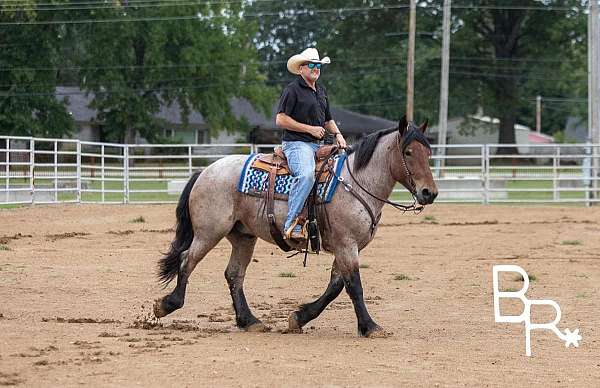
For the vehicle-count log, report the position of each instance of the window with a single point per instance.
(201, 136)
(169, 133)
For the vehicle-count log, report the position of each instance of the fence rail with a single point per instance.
(39, 170)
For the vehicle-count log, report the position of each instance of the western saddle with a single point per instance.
(276, 164)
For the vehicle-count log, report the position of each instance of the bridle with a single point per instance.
(412, 189)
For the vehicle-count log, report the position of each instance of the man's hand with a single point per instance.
(341, 141)
(317, 132)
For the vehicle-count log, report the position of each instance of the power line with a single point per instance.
(128, 7)
(367, 61)
(145, 3)
(537, 60)
(518, 7)
(204, 17)
(176, 87)
(333, 74)
(505, 76)
(91, 2)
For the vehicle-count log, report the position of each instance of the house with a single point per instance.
(354, 125)
(576, 130)
(481, 129)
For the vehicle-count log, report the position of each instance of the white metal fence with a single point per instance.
(36, 170)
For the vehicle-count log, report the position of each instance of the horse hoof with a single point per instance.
(293, 324)
(159, 312)
(258, 327)
(378, 332)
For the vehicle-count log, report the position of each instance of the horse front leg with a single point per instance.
(347, 261)
(310, 311)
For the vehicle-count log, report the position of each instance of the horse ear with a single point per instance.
(403, 125)
(423, 126)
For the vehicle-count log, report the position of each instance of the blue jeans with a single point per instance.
(301, 161)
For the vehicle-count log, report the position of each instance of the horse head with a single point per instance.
(412, 167)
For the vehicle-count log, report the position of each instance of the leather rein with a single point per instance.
(403, 208)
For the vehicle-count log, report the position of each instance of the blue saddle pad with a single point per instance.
(255, 182)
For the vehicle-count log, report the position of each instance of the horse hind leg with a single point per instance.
(188, 261)
(241, 255)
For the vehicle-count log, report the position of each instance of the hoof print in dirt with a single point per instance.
(258, 327)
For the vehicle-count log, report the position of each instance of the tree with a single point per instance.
(503, 54)
(198, 55)
(28, 75)
(368, 45)
(513, 37)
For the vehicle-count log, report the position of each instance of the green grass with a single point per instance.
(4, 248)
(519, 278)
(11, 206)
(571, 242)
(139, 219)
(538, 195)
(155, 194)
(402, 277)
(287, 275)
(364, 266)
(430, 220)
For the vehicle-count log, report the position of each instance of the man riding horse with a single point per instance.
(212, 206)
(304, 114)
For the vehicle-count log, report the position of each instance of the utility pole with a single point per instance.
(410, 68)
(538, 114)
(593, 91)
(443, 120)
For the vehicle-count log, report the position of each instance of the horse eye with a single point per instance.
(408, 153)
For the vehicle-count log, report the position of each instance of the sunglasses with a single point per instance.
(313, 65)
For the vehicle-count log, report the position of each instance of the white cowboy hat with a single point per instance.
(309, 55)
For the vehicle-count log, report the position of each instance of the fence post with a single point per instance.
(190, 163)
(78, 171)
(486, 173)
(7, 169)
(103, 186)
(594, 173)
(126, 173)
(555, 173)
(31, 169)
(55, 171)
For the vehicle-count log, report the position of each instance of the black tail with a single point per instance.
(168, 266)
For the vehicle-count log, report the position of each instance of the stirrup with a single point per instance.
(289, 234)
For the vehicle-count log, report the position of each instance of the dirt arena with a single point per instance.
(77, 284)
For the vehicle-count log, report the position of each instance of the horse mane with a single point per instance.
(414, 135)
(365, 148)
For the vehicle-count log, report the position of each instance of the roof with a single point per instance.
(78, 103)
(353, 122)
(350, 122)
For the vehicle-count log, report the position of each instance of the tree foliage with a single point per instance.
(517, 52)
(28, 106)
(132, 57)
(503, 54)
(201, 63)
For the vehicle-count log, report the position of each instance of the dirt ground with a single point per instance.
(77, 284)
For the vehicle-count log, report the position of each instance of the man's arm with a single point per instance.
(286, 122)
(332, 127)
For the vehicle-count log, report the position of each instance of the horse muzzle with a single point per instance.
(425, 196)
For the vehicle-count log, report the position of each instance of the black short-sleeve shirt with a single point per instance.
(306, 106)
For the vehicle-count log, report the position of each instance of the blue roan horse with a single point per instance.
(211, 208)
